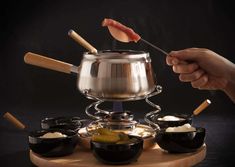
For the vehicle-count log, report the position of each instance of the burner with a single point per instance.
(120, 116)
(120, 120)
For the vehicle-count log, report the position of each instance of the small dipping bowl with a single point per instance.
(66, 123)
(165, 124)
(53, 147)
(146, 132)
(116, 154)
(181, 142)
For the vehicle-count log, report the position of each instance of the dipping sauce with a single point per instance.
(142, 131)
(183, 128)
(170, 118)
(51, 135)
(105, 135)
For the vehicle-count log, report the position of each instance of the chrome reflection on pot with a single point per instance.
(116, 75)
(119, 75)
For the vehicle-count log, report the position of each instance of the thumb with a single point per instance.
(186, 54)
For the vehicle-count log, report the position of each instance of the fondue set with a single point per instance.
(112, 135)
(117, 76)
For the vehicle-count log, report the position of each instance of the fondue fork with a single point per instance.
(201, 107)
(12, 119)
(154, 46)
(123, 37)
(82, 41)
(125, 34)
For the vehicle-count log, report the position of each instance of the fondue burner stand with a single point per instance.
(117, 119)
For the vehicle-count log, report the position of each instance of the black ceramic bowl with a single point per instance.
(181, 142)
(52, 147)
(165, 124)
(111, 153)
(72, 123)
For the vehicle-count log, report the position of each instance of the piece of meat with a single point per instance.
(116, 27)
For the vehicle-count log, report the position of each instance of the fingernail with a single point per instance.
(175, 61)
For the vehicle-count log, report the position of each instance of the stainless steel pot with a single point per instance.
(108, 75)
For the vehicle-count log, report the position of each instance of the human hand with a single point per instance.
(203, 68)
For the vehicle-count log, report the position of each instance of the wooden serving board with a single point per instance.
(149, 158)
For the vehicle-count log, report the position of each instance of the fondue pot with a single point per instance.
(111, 75)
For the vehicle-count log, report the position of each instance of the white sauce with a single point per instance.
(142, 131)
(51, 135)
(183, 128)
(170, 118)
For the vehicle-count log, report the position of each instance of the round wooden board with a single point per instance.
(149, 158)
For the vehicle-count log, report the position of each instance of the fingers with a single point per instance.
(185, 68)
(173, 61)
(201, 82)
(189, 70)
(190, 54)
(198, 79)
(185, 54)
(191, 76)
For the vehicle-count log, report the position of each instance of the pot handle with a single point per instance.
(49, 63)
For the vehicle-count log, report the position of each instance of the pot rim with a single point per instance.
(117, 54)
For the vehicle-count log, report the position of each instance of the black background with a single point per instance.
(32, 93)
